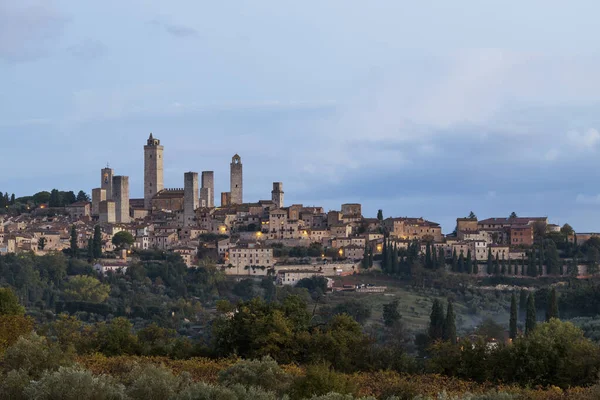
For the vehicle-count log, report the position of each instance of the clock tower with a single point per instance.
(153, 170)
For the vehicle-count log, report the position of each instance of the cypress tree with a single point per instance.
(370, 256)
(74, 248)
(522, 265)
(441, 258)
(513, 317)
(384, 255)
(522, 301)
(532, 270)
(461, 263)
(490, 260)
(90, 249)
(503, 267)
(436, 321)
(496, 265)
(541, 261)
(450, 325)
(428, 261)
(552, 311)
(530, 319)
(97, 242)
(454, 260)
(469, 262)
(12, 199)
(394, 255)
(510, 267)
(434, 260)
(365, 260)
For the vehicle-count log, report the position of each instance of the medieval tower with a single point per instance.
(121, 199)
(190, 197)
(153, 170)
(207, 191)
(106, 183)
(277, 194)
(236, 180)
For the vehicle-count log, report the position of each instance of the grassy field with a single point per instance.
(415, 307)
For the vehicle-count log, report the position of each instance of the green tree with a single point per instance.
(552, 258)
(86, 288)
(82, 196)
(122, 239)
(472, 215)
(380, 215)
(90, 249)
(428, 259)
(593, 257)
(391, 315)
(490, 262)
(436, 321)
(522, 302)
(450, 324)
(74, 239)
(358, 310)
(264, 373)
(530, 319)
(497, 265)
(365, 260)
(9, 303)
(116, 338)
(97, 242)
(454, 261)
(42, 243)
(512, 215)
(513, 317)
(441, 259)
(567, 230)
(552, 311)
(55, 199)
(461, 263)
(469, 265)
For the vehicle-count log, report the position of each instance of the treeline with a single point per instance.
(54, 198)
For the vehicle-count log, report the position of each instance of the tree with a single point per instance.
(441, 259)
(365, 260)
(436, 321)
(530, 319)
(522, 301)
(42, 243)
(567, 230)
(380, 215)
(82, 196)
(497, 265)
(552, 311)
(461, 263)
(12, 199)
(9, 303)
(74, 240)
(512, 215)
(69, 198)
(454, 261)
(552, 258)
(97, 242)
(428, 259)
(450, 325)
(472, 215)
(469, 263)
(394, 259)
(55, 199)
(122, 238)
(593, 257)
(391, 315)
(86, 288)
(513, 317)
(358, 310)
(490, 262)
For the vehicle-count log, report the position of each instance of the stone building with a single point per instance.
(79, 209)
(121, 198)
(236, 180)
(107, 182)
(351, 209)
(107, 212)
(153, 170)
(98, 195)
(168, 199)
(225, 199)
(277, 194)
(207, 190)
(190, 195)
(251, 254)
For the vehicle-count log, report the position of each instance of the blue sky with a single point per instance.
(428, 108)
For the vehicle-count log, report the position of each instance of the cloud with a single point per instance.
(28, 29)
(87, 50)
(176, 30)
(587, 140)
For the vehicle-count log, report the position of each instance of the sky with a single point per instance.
(426, 109)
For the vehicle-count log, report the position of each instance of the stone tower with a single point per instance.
(190, 198)
(153, 170)
(98, 196)
(107, 212)
(277, 194)
(107, 182)
(207, 192)
(236, 180)
(121, 198)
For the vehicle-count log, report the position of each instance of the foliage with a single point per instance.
(320, 380)
(122, 239)
(391, 315)
(86, 288)
(9, 303)
(264, 373)
(358, 310)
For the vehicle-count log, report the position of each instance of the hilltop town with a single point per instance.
(268, 237)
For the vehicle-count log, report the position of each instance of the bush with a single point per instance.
(203, 391)
(265, 373)
(150, 382)
(74, 384)
(321, 380)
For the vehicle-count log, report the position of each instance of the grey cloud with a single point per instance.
(28, 29)
(87, 50)
(176, 30)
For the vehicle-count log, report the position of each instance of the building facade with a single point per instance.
(153, 170)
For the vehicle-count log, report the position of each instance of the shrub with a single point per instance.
(265, 373)
(151, 382)
(321, 380)
(203, 391)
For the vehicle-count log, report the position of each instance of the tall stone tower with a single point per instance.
(190, 198)
(207, 191)
(121, 198)
(236, 180)
(153, 170)
(107, 212)
(277, 194)
(107, 182)
(98, 195)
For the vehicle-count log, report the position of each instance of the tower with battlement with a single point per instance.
(107, 181)
(121, 199)
(207, 191)
(98, 196)
(190, 198)
(277, 194)
(153, 170)
(236, 180)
